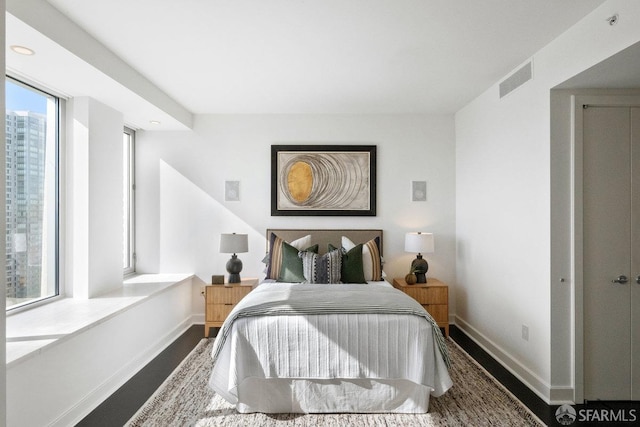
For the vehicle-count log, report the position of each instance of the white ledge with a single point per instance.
(32, 331)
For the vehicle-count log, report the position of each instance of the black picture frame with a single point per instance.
(323, 180)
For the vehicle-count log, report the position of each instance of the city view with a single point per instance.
(30, 195)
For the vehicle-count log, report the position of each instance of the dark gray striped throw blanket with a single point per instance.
(327, 299)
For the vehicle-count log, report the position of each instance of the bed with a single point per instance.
(295, 346)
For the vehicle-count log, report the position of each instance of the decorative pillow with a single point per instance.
(352, 269)
(321, 269)
(274, 257)
(371, 261)
(291, 267)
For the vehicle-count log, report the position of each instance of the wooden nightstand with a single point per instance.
(220, 300)
(434, 297)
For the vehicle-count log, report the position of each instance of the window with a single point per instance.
(31, 149)
(128, 187)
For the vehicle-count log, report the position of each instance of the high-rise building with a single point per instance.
(25, 204)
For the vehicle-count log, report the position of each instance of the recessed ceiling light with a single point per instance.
(22, 50)
(154, 122)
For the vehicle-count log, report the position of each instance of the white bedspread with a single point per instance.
(356, 347)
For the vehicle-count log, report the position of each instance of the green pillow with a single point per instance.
(291, 268)
(352, 270)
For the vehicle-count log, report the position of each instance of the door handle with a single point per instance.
(622, 280)
(638, 280)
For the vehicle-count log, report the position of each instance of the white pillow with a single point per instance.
(302, 243)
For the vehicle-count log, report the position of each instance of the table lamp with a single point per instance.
(234, 244)
(419, 243)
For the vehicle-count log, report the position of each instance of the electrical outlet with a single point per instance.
(525, 332)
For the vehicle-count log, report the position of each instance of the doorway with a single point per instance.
(607, 154)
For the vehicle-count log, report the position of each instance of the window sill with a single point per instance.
(31, 331)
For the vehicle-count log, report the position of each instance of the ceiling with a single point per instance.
(299, 56)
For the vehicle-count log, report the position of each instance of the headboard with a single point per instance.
(323, 236)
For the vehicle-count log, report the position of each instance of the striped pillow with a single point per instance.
(274, 258)
(371, 261)
(321, 268)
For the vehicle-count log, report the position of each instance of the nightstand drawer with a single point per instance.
(435, 295)
(226, 295)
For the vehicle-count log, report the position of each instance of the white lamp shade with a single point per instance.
(234, 243)
(420, 243)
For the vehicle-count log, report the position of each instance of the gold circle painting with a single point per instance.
(300, 181)
(323, 181)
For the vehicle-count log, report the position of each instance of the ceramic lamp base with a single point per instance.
(420, 266)
(234, 267)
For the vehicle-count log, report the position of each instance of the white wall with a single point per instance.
(94, 202)
(58, 385)
(180, 184)
(503, 196)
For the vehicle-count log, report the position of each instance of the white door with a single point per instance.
(611, 253)
(635, 254)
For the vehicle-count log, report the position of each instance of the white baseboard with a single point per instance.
(198, 319)
(82, 408)
(528, 378)
(562, 395)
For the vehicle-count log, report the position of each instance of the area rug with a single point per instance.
(476, 399)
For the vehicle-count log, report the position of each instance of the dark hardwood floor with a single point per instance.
(123, 404)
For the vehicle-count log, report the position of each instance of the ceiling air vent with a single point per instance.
(515, 80)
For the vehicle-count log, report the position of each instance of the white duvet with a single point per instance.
(329, 362)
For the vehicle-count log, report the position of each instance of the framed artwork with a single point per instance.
(323, 180)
